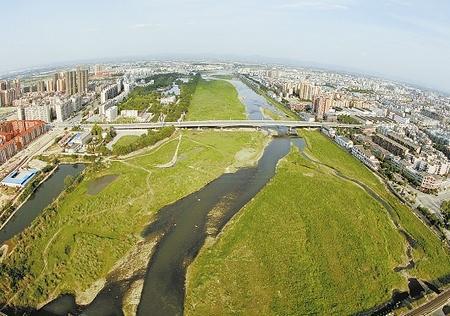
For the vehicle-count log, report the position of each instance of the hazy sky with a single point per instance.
(403, 39)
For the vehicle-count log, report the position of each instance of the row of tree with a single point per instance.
(445, 210)
(149, 139)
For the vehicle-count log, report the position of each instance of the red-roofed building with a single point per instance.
(17, 134)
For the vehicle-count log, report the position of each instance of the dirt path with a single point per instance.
(172, 162)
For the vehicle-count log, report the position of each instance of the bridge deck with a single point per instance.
(226, 124)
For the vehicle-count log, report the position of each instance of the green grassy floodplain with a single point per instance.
(310, 243)
(68, 248)
(126, 140)
(432, 260)
(215, 100)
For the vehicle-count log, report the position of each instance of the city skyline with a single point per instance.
(405, 41)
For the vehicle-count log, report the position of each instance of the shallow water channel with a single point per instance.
(184, 227)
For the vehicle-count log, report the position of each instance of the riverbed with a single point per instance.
(181, 229)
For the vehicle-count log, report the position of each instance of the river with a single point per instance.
(184, 226)
(39, 200)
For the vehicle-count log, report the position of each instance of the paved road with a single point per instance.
(432, 305)
(224, 124)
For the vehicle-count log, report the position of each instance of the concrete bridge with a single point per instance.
(225, 124)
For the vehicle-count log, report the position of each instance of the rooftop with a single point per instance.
(19, 177)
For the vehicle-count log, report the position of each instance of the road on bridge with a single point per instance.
(225, 124)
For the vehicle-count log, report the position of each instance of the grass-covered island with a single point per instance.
(312, 242)
(215, 100)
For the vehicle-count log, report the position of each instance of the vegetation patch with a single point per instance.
(432, 259)
(132, 143)
(347, 119)
(126, 140)
(147, 98)
(215, 100)
(97, 185)
(270, 114)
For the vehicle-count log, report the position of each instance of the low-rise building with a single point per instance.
(19, 178)
(424, 181)
(365, 156)
(344, 142)
(329, 131)
(391, 145)
(81, 138)
(130, 113)
(404, 141)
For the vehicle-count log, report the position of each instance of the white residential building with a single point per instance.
(344, 142)
(108, 93)
(168, 100)
(63, 110)
(365, 156)
(130, 113)
(76, 103)
(111, 113)
(35, 112)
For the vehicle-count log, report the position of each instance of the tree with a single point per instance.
(68, 181)
(96, 130)
(445, 209)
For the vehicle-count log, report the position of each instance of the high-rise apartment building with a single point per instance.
(9, 92)
(35, 112)
(17, 88)
(321, 106)
(63, 110)
(60, 82)
(50, 85)
(7, 96)
(307, 91)
(4, 85)
(98, 70)
(70, 78)
(82, 80)
(40, 86)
